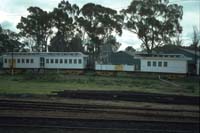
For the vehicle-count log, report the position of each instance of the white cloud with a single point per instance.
(129, 39)
(190, 19)
(115, 4)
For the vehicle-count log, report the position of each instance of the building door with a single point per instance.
(42, 63)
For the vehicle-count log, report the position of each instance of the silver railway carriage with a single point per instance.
(155, 63)
(164, 63)
(45, 60)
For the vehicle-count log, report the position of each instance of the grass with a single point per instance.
(49, 83)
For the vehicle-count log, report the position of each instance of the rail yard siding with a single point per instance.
(171, 66)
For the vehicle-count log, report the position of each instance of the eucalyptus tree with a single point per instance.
(64, 20)
(98, 23)
(196, 45)
(3, 41)
(112, 41)
(154, 21)
(9, 41)
(36, 25)
(130, 49)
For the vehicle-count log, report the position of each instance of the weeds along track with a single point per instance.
(103, 111)
(131, 96)
(112, 125)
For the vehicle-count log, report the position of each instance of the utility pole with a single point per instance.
(195, 44)
(12, 63)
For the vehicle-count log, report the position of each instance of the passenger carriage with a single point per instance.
(154, 63)
(164, 63)
(45, 60)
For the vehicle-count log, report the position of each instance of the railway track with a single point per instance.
(56, 105)
(109, 125)
(131, 96)
(102, 118)
(97, 111)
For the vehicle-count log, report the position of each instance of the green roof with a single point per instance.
(123, 58)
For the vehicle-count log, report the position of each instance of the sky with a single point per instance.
(12, 10)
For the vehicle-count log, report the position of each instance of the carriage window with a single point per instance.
(165, 64)
(56, 61)
(65, 61)
(23, 61)
(149, 63)
(47, 61)
(5, 61)
(70, 61)
(52, 61)
(79, 61)
(160, 64)
(32, 61)
(154, 63)
(75, 61)
(27, 60)
(61, 61)
(18, 60)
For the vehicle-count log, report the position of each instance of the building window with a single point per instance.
(52, 61)
(18, 60)
(61, 61)
(75, 61)
(56, 61)
(79, 61)
(70, 61)
(160, 64)
(5, 60)
(149, 63)
(32, 61)
(154, 63)
(23, 61)
(47, 61)
(27, 60)
(165, 64)
(65, 61)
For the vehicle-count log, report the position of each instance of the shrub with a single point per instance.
(191, 88)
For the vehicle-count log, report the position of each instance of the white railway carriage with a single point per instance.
(104, 67)
(164, 63)
(45, 60)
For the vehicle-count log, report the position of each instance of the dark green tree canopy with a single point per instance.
(64, 20)
(99, 23)
(36, 25)
(154, 21)
(130, 49)
(9, 41)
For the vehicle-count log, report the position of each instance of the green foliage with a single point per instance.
(64, 20)
(99, 22)
(9, 41)
(154, 21)
(130, 49)
(191, 88)
(36, 25)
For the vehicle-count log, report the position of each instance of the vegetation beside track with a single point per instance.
(45, 84)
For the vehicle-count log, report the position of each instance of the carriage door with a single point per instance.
(42, 64)
(12, 63)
